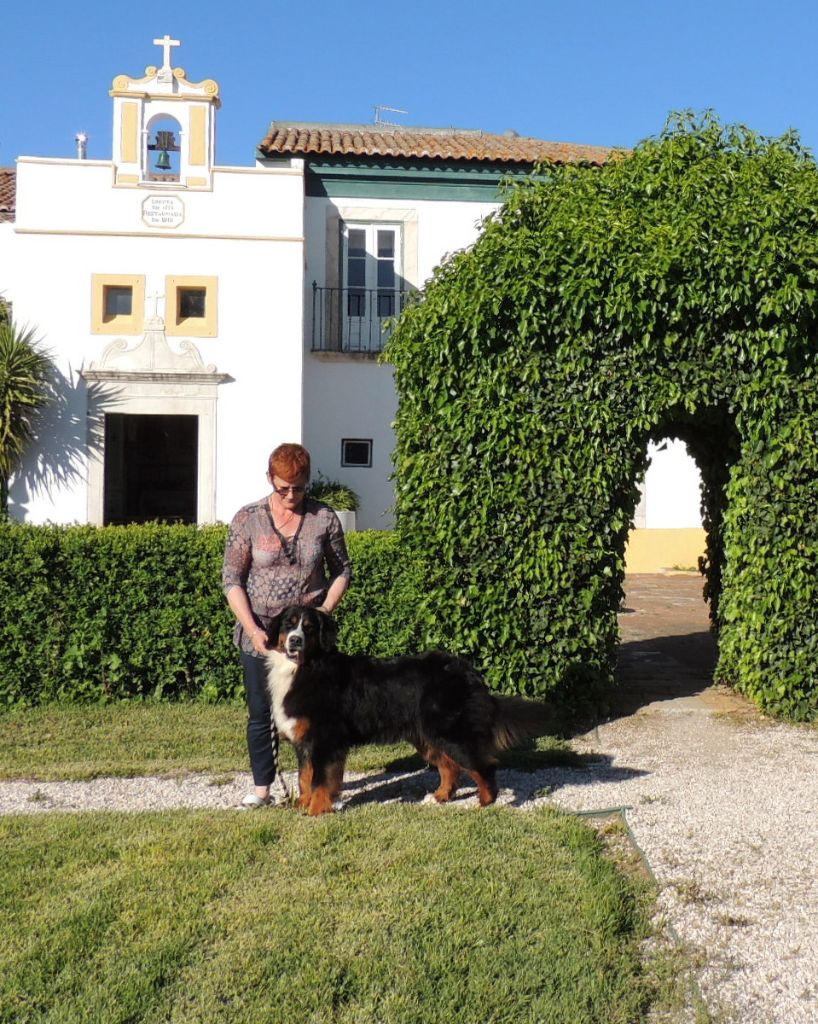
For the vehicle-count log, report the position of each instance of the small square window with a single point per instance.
(192, 302)
(117, 303)
(356, 452)
(117, 300)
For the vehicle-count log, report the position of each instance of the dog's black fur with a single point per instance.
(325, 702)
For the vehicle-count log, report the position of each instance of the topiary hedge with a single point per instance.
(673, 292)
(137, 611)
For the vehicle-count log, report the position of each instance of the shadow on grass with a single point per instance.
(531, 756)
(527, 772)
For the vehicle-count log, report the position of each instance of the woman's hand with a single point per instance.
(240, 606)
(258, 638)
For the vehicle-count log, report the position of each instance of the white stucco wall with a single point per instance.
(247, 232)
(672, 496)
(78, 196)
(353, 399)
(352, 395)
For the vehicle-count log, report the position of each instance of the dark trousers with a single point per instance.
(262, 735)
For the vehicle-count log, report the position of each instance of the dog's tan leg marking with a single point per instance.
(449, 776)
(300, 729)
(486, 790)
(305, 785)
(321, 802)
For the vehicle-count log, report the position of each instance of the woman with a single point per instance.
(283, 549)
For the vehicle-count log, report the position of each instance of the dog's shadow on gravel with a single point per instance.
(526, 774)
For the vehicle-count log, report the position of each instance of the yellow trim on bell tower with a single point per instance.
(129, 133)
(198, 140)
(140, 104)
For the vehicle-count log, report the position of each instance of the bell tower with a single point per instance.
(164, 127)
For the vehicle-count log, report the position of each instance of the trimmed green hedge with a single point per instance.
(93, 614)
(672, 292)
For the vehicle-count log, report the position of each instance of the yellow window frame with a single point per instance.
(206, 326)
(131, 323)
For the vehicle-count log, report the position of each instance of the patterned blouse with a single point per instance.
(276, 571)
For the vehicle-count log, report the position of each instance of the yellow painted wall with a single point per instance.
(654, 550)
(198, 126)
(129, 140)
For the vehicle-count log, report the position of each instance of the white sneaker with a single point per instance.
(252, 801)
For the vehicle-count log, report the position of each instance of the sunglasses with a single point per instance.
(289, 489)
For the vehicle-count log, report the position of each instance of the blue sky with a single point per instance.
(603, 72)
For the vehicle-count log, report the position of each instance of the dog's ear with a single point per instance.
(327, 632)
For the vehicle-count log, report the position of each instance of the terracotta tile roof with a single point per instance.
(422, 143)
(8, 191)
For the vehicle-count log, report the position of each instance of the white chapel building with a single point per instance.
(200, 314)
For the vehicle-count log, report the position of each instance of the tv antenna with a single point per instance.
(380, 109)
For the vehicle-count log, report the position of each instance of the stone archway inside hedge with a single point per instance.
(673, 290)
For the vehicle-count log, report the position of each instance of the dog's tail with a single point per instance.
(517, 719)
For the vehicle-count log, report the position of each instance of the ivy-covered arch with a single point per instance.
(672, 292)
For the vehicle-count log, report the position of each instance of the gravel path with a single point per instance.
(726, 812)
(723, 804)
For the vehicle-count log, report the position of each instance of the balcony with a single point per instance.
(354, 320)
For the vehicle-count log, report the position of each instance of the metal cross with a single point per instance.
(166, 42)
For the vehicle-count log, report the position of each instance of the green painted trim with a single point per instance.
(418, 180)
(396, 190)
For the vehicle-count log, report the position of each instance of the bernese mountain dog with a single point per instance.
(325, 702)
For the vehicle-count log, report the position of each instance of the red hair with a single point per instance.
(290, 462)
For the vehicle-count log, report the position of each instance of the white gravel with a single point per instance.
(724, 807)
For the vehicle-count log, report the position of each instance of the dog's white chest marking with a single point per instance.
(280, 672)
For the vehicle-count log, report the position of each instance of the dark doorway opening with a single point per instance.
(151, 468)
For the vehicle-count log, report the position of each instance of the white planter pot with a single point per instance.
(347, 520)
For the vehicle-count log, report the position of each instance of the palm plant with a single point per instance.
(24, 387)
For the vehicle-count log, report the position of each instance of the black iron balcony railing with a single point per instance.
(353, 319)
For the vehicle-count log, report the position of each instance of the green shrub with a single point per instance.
(334, 493)
(672, 292)
(92, 614)
(380, 613)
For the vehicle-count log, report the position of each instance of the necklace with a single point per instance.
(284, 522)
(288, 544)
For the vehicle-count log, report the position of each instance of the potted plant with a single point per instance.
(339, 497)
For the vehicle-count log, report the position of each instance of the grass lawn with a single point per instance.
(392, 914)
(84, 742)
(382, 915)
(87, 741)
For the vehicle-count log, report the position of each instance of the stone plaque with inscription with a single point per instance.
(163, 211)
